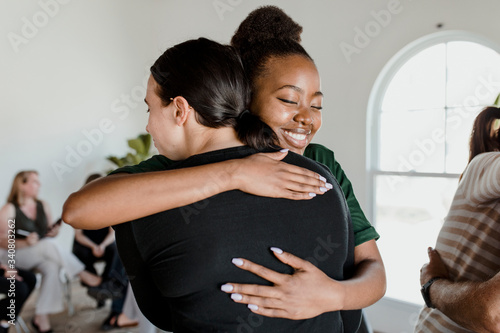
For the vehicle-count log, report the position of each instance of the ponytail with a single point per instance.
(254, 132)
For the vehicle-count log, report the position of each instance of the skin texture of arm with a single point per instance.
(473, 305)
(308, 292)
(125, 197)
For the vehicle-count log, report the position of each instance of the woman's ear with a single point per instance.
(182, 110)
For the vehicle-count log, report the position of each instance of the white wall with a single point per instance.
(88, 56)
(66, 78)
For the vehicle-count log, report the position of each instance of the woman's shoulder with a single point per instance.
(484, 161)
(317, 149)
(154, 163)
(8, 210)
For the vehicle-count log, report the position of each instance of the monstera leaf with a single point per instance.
(140, 145)
(497, 101)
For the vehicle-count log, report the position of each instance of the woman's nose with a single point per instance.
(304, 116)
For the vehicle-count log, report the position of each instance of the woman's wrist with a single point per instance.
(335, 296)
(233, 174)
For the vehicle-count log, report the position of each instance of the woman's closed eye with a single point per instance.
(287, 101)
(147, 111)
(317, 107)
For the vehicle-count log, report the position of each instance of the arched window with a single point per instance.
(420, 117)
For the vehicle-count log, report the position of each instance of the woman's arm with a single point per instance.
(124, 197)
(7, 223)
(110, 238)
(84, 240)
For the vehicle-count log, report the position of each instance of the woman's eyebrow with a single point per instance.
(298, 89)
(146, 101)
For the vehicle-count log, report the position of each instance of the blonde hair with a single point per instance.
(20, 178)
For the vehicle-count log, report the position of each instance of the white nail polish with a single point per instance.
(323, 189)
(236, 297)
(253, 307)
(226, 287)
(323, 179)
(276, 250)
(284, 150)
(329, 186)
(237, 262)
(312, 194)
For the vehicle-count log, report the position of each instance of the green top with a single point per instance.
(363, 230)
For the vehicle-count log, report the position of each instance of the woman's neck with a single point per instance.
(210, 139)
(26, 201)
(202, 139)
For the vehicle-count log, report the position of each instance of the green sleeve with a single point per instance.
(363, 230)
(155, 163)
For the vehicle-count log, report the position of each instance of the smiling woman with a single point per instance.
(292, 91)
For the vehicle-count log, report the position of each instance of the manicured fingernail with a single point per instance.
(236, 297)
(253, 307)
(237, 262)
(329, 186)
(323, 179)
(323, 189)
(277, 250)
(312, 194)
(284, 150)
(226, 287)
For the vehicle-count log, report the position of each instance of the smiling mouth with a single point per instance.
(297, 136)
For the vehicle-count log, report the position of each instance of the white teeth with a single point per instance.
(296, 136)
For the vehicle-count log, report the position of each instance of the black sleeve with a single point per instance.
(152, 304)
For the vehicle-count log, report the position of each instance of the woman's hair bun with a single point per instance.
(265, 23)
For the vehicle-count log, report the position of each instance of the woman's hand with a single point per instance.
(53, 230)
(265, 175)
(98, 251)
(32, 239)
(307, 293)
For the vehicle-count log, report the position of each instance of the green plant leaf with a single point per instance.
(137, 145)
(146, 139)
(115, 160)
(497, 101)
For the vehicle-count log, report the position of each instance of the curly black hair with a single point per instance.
(267, 32)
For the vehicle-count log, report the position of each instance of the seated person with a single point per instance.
(15, 288)
(91, 246)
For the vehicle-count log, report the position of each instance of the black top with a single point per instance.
(178, 259)
(39, 225)
(96, 236)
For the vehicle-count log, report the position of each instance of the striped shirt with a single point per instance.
(469, 241)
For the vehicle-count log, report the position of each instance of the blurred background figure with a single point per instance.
(35, 248)
(92, 246)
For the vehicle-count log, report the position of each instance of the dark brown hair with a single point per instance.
(266, 33)
(481, 140)
(210, 76)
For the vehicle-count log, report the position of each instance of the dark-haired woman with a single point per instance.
(271, 45)
(26, 222)
(176, 259)
(464, 268)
